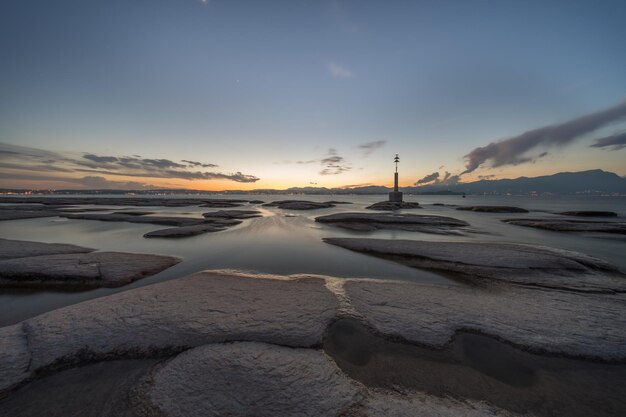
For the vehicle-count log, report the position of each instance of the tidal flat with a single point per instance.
(298, 315)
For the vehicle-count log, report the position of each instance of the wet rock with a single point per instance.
(251, 379)
(10, 249)
(589, 213)
(384, 404)
(299, 205)
(96, 269)
(560, 225)
(409, 222)
(134, 213)
(393, 205)
(223, 203)
(559, 322)
(256, 202)
(503, 262)
(208, 307)
(105, 201)
(233, 214)
(26, 214)
(185, 231)
(493, 209)
(125, 217)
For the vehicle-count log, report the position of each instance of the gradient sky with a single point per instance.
(298, 93)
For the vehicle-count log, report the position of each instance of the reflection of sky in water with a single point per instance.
(280, 244)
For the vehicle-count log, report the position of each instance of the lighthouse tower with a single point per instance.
(395, 196)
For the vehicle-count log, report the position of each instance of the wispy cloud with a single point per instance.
(339, 71)
(613, 142)
(368, 148)
(437, 179)
(19, 158)
(428, 178)
(334, 164)
(514, 151)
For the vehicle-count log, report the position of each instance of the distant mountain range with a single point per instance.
(592, 182)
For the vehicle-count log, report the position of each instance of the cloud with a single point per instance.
(334, 164)
(513, 151)
(16, 158)
(486, 177)
(428, 178)
(437, 179)
(369, 147)
(339, 71)
(199, 164)
(614, 142)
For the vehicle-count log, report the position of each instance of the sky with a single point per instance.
(227, 94)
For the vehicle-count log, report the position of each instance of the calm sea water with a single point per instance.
(290, 242)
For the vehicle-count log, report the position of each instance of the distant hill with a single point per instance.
(595, 181)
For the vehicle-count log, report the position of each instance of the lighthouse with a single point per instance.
(395, 196)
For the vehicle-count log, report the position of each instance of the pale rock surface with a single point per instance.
(204, 308)
(15, 356)
(252, 379)
(507, 262)
(560, 322)
(185, 231)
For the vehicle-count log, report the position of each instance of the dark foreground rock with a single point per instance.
(301, 204)
(80, 270)
(504, 262)
(493, 209)
(560, 225)
(224, 203)
(589, 213)
(26, 214)
(409, 222)
(10, 249)
(393, 205)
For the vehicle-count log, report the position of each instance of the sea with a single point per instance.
(291, 242)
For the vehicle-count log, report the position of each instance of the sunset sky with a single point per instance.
(227, 94)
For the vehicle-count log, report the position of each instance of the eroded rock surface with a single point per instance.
(493, 209)
(26, 214)
(393, 205)
(409, 222)
(561, 225)
(252, 379)
(506, 262)
(560, 322)
(301, 204)
(10, 249)
(200, 309)
(96, 269)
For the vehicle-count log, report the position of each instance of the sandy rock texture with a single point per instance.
(97, 269)
(562, 225)
(204, 308)
(252, 379)
(504, 262)
(409, 222)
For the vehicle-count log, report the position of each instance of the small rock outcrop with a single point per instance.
(409, 222)
(10, 249)
(185, 231)
(589, 213)
(81, 270)
(562, 225)
(493, 209)
(300, 204)
(232, 214)
(393, 205)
